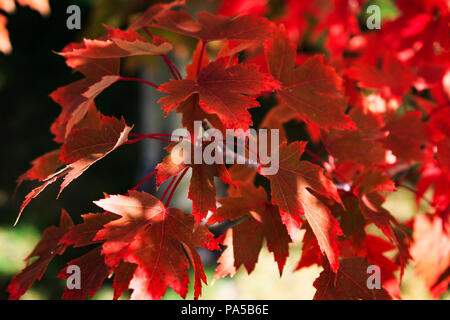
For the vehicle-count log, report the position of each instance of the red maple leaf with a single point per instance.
(158, 240)
(244, 241)
(225, 91)
(350, 282)
(313, 90)
(202, 190)
(211, 27)
(94, 139)
(291, 190)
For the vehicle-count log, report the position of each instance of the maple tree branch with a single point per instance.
(139, 80)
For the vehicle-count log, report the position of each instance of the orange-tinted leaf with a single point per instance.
(42, 6)
(431, 249)
(5, 43)
(117, 45)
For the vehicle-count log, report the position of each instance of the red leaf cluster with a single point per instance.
(375, 108)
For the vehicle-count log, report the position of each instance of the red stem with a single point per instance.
(315, 157)
(175, 186)
(151, 174)
(148, 32)
(169, 64)
(173, 68)
(139, 80)
(415, 192)
(154, 136)
(201, 56)
(168, 188)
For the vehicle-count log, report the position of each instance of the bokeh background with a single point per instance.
(33, 71)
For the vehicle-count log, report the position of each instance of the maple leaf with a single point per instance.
(313, 90)
(290, 189)
(118, 44)
(42, 6)
(76, 99)
(431, 250)
(123, 275)
(190, 108)
(367, 187)
(256, 7)
(361, 145)
(224, 91)
(387, 80)
(84, 147)
(407, 137)
(83, 234)
(153, 12)
(158, 240)
(93, 271)
(211, 27)
(42, 167)
(434, 176)
(45, 250)
(99, 61)
(5, 42)
(202, 190)
(276, 117)
(350, 282)
(262, 222)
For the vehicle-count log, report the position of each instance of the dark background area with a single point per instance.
(27, 77)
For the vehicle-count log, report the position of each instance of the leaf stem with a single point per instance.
(175, 186)
(168, 188)
(201, 56)
(172, 67)
(139, 80)
(151, 174)
(415, 192)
